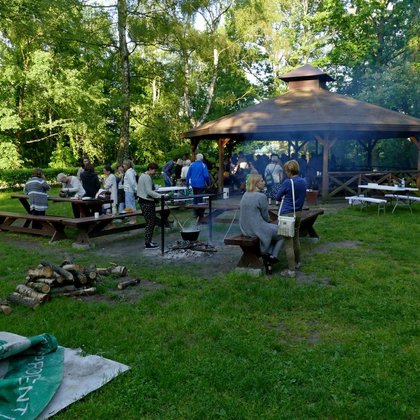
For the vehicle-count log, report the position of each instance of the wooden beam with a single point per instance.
(417, 143)
(327, 144)
(222, 142)
(194, 146)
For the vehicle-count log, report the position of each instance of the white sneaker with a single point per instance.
(152, 245)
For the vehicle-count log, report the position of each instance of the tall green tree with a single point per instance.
(50, 86)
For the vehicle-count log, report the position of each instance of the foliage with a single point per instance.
(11, 179)
(188, 62)
(9, 156)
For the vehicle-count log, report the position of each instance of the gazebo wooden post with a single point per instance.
(326, 146)
(417, 143)
(194, 146)
(222, 142)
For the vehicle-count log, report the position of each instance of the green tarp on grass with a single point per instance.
(31, 370)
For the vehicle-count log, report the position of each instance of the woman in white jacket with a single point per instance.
(111, 185)
(130, 187)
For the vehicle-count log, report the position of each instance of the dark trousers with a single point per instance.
(149, 213)
(37, 225)
(198, 200)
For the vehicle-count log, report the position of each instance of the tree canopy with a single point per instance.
(120, 79)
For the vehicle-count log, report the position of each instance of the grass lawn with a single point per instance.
(345, 345)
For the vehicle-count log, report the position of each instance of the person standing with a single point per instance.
(130, 188)
(290, 207)
(198, 178)
(83, 164)
(146, 196)
(121, 194)
(184, 171)
(254, 219)
(90, 181)
(36, 189)
(273, 176)
(167, 172)
(110, 184)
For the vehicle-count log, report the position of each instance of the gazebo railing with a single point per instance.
(344, 183)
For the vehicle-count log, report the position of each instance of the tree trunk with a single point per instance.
(81, 292)
(27, 291)
(62, 290)
(131, 282)
(23, 300)
(123, 149)
(44, 272)
(39, 287)
(64, 273)
(5, 307)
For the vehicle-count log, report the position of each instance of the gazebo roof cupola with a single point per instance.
(306, 78)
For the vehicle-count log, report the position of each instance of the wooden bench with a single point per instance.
(51, 226)
(250, 245)
(88, 227)
(365, 201)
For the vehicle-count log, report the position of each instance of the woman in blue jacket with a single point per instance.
(292, 245)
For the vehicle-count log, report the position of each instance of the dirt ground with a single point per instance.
(216, 260)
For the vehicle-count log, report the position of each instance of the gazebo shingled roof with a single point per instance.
(307, 112)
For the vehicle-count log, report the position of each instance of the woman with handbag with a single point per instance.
(254, 219)
(292, 195)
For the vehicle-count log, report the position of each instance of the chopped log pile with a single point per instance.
(49, 280)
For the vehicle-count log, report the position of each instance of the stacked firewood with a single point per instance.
(48, 280)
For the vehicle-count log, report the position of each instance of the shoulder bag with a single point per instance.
(286, 224)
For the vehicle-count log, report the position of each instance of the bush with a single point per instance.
(16, 178)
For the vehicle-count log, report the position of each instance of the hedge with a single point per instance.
(16, 178)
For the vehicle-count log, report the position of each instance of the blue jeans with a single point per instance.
(130, 200)
(167, 179)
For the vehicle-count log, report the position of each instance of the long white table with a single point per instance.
(401, 195)
(164, 190)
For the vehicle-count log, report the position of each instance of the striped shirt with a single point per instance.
(36, 189)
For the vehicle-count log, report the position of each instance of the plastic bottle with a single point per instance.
(402, 183)
(114, 209)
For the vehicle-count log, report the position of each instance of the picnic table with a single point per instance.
(87, 224)
(398, 194)
(82, 207)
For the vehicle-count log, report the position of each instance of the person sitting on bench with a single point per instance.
(254, 219)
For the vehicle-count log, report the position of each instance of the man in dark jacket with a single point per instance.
(167, 172)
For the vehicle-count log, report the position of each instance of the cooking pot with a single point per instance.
(190, 235)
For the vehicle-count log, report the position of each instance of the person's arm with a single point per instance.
(263, 205)
(283, 189)
(73, 185)
(148, 185)
(97, 183)
(108, 183)
(206, 175)
(187, 179)
(45, 186)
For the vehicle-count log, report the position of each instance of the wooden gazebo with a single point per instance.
(308, 111)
